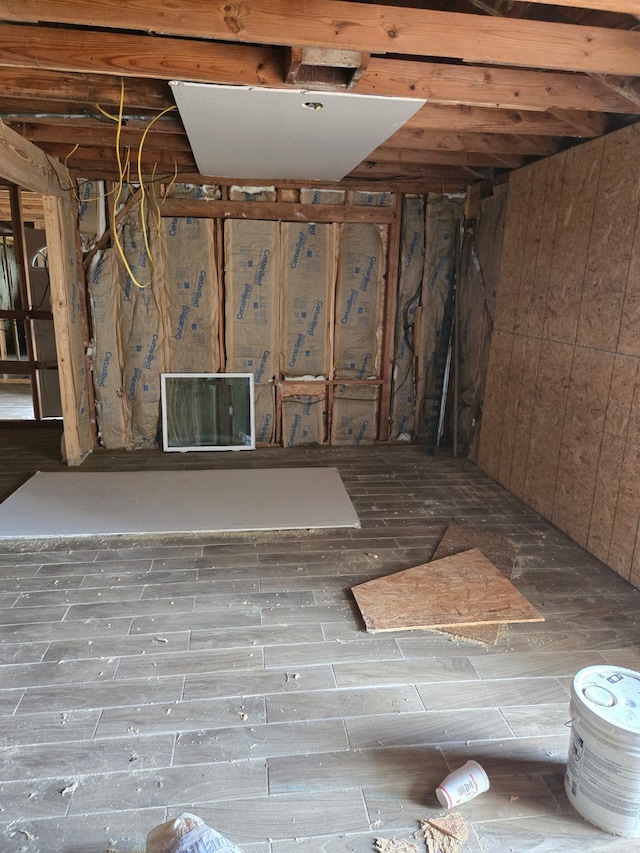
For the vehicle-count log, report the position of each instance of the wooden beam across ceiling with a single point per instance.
(427, 156)
(625, 7)
(484, 120)
(139, 58)
(487, 143)
(365, 27)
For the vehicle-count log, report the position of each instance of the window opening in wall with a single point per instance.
(208, 411)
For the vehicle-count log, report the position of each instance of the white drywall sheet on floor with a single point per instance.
(87, 503)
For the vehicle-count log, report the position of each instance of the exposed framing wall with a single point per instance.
(561, 422)
(23, 164)
(267, 271)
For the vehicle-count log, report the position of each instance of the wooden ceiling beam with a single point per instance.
(79, 87)
(484, 120)
(482, 86)
(81, 121)
(371, 28)
(150, 155)
(624, 7)
(487, 143)
(624, 87)
(140, 56)
(70, 134)
(99, 56)
(99, 170)
(428, 157)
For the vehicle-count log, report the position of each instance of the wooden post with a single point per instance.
(78, 441)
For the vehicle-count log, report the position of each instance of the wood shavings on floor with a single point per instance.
(445, 834)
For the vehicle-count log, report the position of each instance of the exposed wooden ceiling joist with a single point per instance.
(140, 57)
(488, 143)
(626, 7)
(500, 87)
(483, 120)
(376, 29)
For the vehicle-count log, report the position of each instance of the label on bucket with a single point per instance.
(603, 786)
(603, 767)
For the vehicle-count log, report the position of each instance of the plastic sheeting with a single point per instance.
(411, 269)
(477, 288)
(443, 218)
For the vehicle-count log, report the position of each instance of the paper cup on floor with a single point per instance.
(462, 785)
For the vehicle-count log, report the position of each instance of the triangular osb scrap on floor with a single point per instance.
(464, 589)
(498, 550)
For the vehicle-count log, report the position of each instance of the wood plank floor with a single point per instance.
(231, 675)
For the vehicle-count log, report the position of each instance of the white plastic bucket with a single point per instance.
(603, 768)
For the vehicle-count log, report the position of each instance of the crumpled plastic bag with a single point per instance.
(188, 834)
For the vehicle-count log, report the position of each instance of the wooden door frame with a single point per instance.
(26, 166)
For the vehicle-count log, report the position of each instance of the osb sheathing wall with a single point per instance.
(561, 421)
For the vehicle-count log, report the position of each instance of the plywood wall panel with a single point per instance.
(634, 576)
(611, 240)
(569, 429)
(493, 413)
(512, 247)
(511, 399)
(625, 524)
(571, 242)
(581, 439)
(535, 220)
(621, 392)
(546, 426)
(525, 413)
(629, 338)
(540, 283)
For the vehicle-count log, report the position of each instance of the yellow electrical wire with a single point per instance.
(142, 190)
(118, 195)
(105, 113)
(72, 182)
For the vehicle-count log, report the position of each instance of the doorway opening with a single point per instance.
(29, 385)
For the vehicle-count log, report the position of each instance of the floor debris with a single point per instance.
(445, 834)
(394, 845)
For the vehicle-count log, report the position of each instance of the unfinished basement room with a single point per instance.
(319, 426)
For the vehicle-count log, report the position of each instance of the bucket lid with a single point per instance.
(611, 693)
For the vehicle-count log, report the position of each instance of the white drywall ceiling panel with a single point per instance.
(245, 132)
